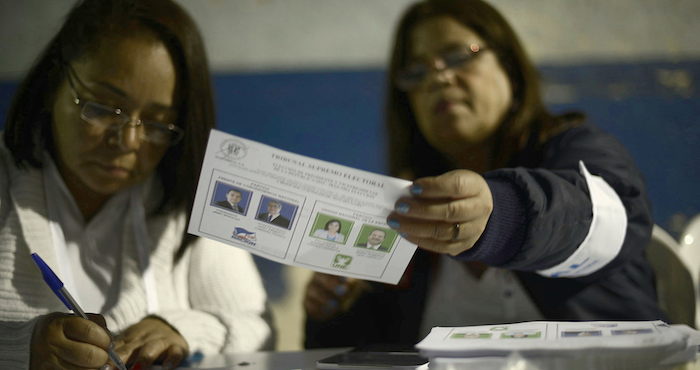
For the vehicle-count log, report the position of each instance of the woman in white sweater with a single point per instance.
(98, 169)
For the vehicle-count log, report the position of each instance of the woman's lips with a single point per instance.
(444, 106)
(114, 170)
(447, 104)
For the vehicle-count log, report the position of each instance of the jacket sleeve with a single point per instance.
(228, 310)
(581, 212)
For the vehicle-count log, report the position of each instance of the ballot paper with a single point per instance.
(551, 344)
(299, 211)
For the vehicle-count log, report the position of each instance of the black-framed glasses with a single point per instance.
(415, 72)
(103, 118)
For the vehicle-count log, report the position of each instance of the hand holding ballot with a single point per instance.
(446, 213)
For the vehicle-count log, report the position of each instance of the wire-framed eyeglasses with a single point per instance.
(103, 118)
(414, 73)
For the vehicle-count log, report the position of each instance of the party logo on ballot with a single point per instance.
(341, 261)
(244, 235)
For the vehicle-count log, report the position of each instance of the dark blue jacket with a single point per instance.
(542, 213)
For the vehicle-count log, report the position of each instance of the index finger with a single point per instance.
(82, 330)
(97, 319)
(455, 184)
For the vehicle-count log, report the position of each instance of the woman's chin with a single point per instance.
(107, 186)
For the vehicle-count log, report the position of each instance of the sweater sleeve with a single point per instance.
(228, 311)
(15, 343)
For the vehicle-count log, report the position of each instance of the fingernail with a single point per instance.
(402, 208)
(403, 235)
(393, 224)
(416, 189)
(106, 367)
(341, 290)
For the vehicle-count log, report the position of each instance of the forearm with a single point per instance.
(225, 287)
(567, 209)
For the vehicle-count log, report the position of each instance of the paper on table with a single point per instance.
(548, 336)
(312, 193)
(650, 342)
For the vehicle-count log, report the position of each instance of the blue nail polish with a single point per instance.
(191, 361)
(402, 208)
(340, 290)
(403, 235)
(393, 224)
(416, 189)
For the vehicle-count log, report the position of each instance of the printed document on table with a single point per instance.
(562, 345)
(552, 336)
(299, 211)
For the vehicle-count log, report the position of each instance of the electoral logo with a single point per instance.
(232, 150)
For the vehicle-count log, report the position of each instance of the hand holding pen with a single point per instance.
(68, 341)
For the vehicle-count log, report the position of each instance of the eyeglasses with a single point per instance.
(104, 118)
(415, 73)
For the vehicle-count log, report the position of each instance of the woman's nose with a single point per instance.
(440, 73)
(438, 64)
(130, 135)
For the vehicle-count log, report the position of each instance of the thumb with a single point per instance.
(455, 184)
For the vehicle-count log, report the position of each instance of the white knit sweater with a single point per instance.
(213, 295)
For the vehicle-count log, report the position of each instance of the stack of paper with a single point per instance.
(556, 345)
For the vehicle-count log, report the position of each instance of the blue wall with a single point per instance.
(336, 116)
(654, 109)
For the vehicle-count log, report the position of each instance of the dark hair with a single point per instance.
(235, 191)
(382, 230)
(340, 224)
(408, 150)
(90, 22)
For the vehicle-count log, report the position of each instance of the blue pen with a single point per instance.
(62, 293)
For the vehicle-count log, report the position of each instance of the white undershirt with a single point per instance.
(93, 250)
(457, 298)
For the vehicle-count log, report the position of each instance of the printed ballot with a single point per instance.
(299, 211)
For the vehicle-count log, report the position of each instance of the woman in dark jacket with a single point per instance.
(519, 214)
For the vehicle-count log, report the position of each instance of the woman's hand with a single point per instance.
(64, 341)
(328, 295)
(446, 214)
(151, 340)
